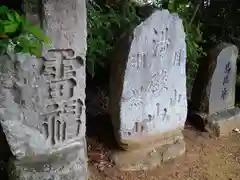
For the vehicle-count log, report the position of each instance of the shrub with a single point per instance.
(18, 33)
(105, 25)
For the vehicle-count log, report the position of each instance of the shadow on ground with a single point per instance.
(206, 158)
(5, 154)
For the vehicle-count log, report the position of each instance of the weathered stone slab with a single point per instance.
(66, 164)
(151, 151)
(213, 94)
(42, 111)
(148, 80)
(223, 122)
(42, 105)
(214, 87)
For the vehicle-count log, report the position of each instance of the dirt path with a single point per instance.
(206, 159)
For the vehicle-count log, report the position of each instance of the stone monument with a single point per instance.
(213, 94)
(42, 106)
(148, 102)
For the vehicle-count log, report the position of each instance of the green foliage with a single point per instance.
(105, 25)
(18, 33)
(221, 22)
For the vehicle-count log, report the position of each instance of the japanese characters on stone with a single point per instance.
(63, 108)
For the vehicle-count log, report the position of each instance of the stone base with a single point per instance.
(149, 156)
(223, 123)
(66, 164)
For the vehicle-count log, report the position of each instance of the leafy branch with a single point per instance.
(18, 33)
(105, 25)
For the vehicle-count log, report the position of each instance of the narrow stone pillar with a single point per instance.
(43, 106)
(213, 94)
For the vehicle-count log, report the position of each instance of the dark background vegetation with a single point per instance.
(206, 23)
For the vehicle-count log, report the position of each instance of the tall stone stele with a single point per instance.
(148, 92)
(213, 94)
(42, 105)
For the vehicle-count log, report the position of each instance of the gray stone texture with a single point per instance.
(148, 87)
(42, 107)
(213, 94)
(217, 73)
(145, 98)
(223, 122)
(66, 164)
(32, 9)
(151, 154)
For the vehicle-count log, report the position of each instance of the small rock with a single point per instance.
(152, 152)
(236, 130)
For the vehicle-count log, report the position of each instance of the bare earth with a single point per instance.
(206, 158)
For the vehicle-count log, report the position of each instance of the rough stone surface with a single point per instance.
(31, 9)
(64, 23)
(148, 80)
(40, 112)
(213, 95)
(42, 107)
(214, 87)
(149, 156)
(66, 164)
(223, 122)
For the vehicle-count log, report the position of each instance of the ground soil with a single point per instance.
(206, 158)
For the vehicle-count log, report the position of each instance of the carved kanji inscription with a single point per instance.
(64, 106)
